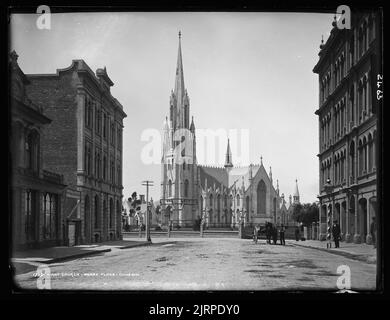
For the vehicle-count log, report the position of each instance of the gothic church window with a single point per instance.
(169, 188)
(261, 197)
(96, 212)
(186, 188)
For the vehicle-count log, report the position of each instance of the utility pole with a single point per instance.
(147, 183)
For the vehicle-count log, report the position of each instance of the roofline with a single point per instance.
(84, 68)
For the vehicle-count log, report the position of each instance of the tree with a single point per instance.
(306, 213)
(135, 205)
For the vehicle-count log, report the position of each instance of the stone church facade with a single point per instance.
(222, 196)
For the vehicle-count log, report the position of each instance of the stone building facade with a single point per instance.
(36, 194)
(348, 66)
(223, 196)
(84, 144)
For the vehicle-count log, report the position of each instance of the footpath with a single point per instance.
(362, 252)
(25, 261)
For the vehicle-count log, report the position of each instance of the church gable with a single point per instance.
(261, 174)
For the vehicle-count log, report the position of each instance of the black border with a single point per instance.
(248, 301)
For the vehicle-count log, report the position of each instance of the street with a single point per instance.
(206, 264)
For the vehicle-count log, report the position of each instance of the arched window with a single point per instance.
(219, 203)
(361, 158)
(186, 188)
(352, 160)
(247, 205)
(96, 213)
(105, 214)
(370, 153)
(32, 151)
(261, 198)
(112, 215)
(169, 188)
(365, 154)
(225, 200)
(104, 167)
(352, 106)
(211, 200)
(238, 200)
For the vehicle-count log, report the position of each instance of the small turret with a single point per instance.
(228, 157)
(296, 192)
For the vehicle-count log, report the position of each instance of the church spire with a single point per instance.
(228, 157)
(192, 127)
(296, 192)
(179, 81)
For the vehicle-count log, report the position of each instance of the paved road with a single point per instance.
(206, 264)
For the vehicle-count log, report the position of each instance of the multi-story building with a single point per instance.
(37, 194)
(348, 66)
(84, 143)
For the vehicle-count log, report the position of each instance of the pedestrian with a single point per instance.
(336, 234)
(373, 231)
(275, 234)
(281, 232)
(268, 232)
(296, 233)
(255, 233)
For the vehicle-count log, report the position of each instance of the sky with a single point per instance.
(242, 71)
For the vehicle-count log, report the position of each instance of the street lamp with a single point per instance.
(148, 184)
(329, 190)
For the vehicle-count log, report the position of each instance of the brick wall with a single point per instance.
(57, 96)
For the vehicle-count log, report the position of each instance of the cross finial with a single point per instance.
(261, 159)
(179, 34)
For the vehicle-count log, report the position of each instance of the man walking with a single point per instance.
(336, 233)
(274, 234)
(297, 233)
(255, 233)
(282, 229)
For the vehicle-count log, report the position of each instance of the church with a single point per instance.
(222, 196)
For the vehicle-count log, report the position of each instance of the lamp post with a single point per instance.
(329, 191)
(148, 184)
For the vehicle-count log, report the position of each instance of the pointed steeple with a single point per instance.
(270, 174)
(228, 157)
(179, 80)
(192, 127)
(296, 192)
